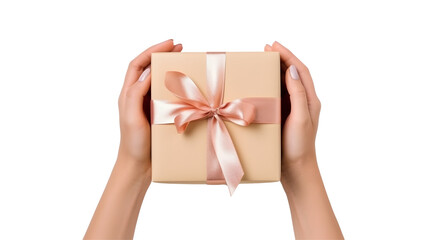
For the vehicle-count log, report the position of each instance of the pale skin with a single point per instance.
(312, 215)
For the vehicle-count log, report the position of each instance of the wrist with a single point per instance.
(134, 169)
(296, 173)
(132, 151)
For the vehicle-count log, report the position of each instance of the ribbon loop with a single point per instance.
(185, 89)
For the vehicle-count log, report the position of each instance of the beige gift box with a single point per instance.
(181, 158)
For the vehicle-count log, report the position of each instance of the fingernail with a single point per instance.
(293, 72)
(145, 74)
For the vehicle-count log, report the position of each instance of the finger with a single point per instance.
(286, 55)
(135, 95)
(298, 99)
(137, 65)
(290, 59)
(177, 48)
(284, 93)
(143, 83)
(140, 88)
(269, 48)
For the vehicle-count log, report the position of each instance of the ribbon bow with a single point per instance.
(223, 164)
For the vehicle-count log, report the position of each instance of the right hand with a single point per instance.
(300, 127)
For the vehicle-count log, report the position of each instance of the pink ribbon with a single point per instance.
(223, 164)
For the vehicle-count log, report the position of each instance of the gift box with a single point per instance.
(215, 117)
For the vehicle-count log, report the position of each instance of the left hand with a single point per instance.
(134, 125)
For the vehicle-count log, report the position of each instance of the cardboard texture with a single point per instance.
(181, 158)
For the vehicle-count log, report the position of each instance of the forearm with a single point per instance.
(117, 212)
(312, 214)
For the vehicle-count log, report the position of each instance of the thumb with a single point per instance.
(298, 98)
(138, 91)
(143, 83)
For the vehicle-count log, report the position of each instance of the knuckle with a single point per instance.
(298, 92)
(131, 93)
(127, 118)
(305, 68)
(120, 102)
(134, 65)
(128, 122)
(146, 58)
(120, 99)
(302, 122)
(318, 104)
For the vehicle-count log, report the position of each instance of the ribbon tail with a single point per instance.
(225, 153)
(214, 171)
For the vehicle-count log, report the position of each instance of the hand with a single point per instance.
(134, 124)
(311, 211)
(301, 106)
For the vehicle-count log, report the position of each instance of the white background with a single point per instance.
(62, 66)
